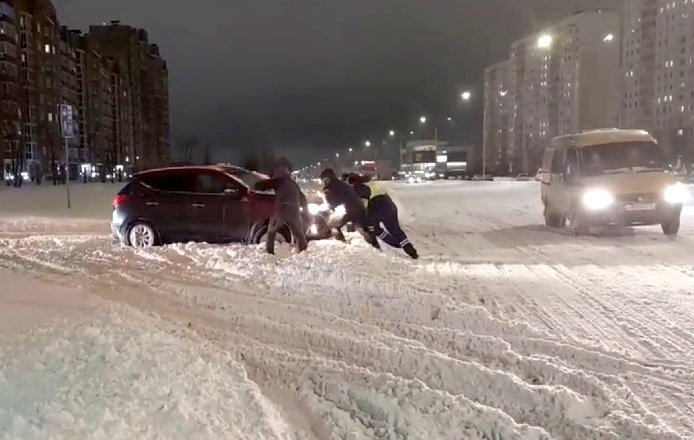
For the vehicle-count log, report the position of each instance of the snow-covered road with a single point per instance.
(504, 329)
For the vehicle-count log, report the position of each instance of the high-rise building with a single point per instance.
(561, 80)
(10, 96)
(144, 74)
(113, 77)
(658, 72)
(497, 124)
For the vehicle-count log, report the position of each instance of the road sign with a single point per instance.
(67, 123)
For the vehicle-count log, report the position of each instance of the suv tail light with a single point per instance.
(120, 200)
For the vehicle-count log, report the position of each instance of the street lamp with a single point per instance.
(545, 41)
(350, 149)
(466, 95)
(608, 38)
(449, 119)
(391, 133)
(367, 144)
(337, 155)
(423, 119)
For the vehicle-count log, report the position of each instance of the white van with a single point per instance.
(609, 177)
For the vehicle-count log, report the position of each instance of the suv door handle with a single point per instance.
(152, 203)
(198, 205)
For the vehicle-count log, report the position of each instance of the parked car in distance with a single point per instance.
(214, 204)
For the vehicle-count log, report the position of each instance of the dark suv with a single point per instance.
(214, 204)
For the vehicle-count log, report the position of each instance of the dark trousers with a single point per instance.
(360, 224)
(293, 220)
(382, 221)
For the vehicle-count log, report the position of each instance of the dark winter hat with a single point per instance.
(328, 173)
(283, 163)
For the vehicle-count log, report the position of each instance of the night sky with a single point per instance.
(305, 75)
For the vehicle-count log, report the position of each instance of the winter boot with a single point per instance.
(411, 251)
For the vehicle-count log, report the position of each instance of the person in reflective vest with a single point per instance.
(382, 215)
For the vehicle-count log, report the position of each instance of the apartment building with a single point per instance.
(497, 123)
(563, 79)
(658, 72)
(145, 76)
(10, 98)
(115, 80)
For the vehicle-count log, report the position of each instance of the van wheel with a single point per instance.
(672, 227)
(577, 224)
(554, 220)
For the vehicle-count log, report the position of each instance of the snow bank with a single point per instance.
(122, 375)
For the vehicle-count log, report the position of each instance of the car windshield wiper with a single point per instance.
(647, 169)
(618, 170)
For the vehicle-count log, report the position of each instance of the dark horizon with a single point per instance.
(318, 75)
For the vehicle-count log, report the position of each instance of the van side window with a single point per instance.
(557, 162)
(571, 163)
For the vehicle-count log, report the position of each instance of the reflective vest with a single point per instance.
(375, 190)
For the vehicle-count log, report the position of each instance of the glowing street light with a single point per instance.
(367, 144)
(391, 133)
(350, 149)
(337, 155)
(449, 119)
(466, 96)
(608, 38)
(423, 119)
(412, 132)
(545, 41)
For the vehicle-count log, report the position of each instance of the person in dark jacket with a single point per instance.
(339, 193)
(290, 205)
(382, 212)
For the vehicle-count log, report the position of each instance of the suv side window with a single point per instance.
(558, 161)
(212, 183)
(170, 181)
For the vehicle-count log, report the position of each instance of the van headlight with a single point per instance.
(597, 199)
(676, 194)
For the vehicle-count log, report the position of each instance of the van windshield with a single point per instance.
(622, 157)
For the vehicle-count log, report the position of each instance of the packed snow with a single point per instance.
(503, 330)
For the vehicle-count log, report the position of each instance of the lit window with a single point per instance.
(47, 48)
(50, 117)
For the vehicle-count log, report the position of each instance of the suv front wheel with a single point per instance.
(283, 236)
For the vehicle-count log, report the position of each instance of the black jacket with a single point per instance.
(339, 193)
(288, 195)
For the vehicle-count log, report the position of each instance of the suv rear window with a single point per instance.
(170, 181)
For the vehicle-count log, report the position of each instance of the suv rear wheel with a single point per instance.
(141, 235)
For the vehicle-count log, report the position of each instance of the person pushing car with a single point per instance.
(340, 193)
(290, 206)
(381, 210)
